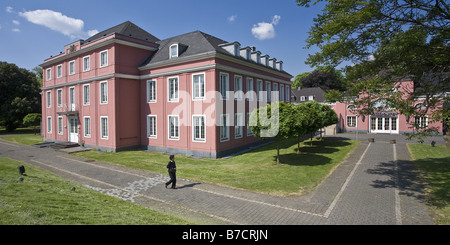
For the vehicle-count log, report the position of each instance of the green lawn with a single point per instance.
(25, 139)
(43, 198)
(434, 163)
(255, 170)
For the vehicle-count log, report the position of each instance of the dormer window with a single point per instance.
(173, 50)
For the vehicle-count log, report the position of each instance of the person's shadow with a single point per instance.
(188, 185)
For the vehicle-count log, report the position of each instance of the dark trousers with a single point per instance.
(173, 179)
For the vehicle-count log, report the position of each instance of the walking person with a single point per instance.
(172, 168)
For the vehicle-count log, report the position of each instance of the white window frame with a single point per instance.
(224, 127)
(268, 91)
(249, 130)
(59, 71)
(103, 64)
(72, 69)
(259, 89)
(49, 99)
(302, 98)
(175, 135)
(171, 55)
(201, 138)
(103, 93)
(224, 85)
(310, 97)
(48, 74)
(275, 90)
(87, 96)
(353, 120)
(60, 125)
(104, 134)
(87, 126)
(49, 125)
(59, 98)
(199, 93)
(238, 125)
(282, 92)
(288, 94)
(151, 95)
(249, 88)
(150, 134)
(421, 121)
(86, 65)
(176, 91)
(238, 91)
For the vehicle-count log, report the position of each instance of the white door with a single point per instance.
(387, 125)
(73, 129)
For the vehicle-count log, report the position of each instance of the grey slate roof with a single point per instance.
(317, 92)
(127, 29)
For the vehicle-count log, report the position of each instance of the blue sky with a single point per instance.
(31, 31)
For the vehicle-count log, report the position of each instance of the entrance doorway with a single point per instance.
(73, 129)
(384, 125)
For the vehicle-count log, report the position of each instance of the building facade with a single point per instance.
(384, 119)
(190, 94)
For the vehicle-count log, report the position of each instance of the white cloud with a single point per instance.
(9, 10)
(15, 22)
(264, 30)
(56, 21)
(16, 30)
(232, 18)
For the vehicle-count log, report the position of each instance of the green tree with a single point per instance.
(19, 94)
(386, 41)
(273, 121)
(32, 120)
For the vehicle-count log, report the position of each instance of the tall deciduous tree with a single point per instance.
(19, 95)
(386, 40)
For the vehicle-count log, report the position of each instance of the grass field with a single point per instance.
(24, 139)
(255, 170)
(434, 163)
(43, 199)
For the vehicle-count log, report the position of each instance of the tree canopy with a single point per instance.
(19, 95)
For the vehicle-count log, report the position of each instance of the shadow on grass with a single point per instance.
(303, 159)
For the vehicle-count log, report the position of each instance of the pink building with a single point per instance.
(191, 94)
(384, 120)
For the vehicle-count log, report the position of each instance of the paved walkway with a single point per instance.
(376, 185)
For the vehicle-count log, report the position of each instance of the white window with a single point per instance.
(104, 58)
(104, 92)
(238, 87)
(174, 133)
(302, 98)
(421, 122)
(281, 92)
(238, 125)
(173, 51)
(87, 127)
(151, 91)
(151, 126)
(224, 85)
(60, 125)
(275, 90)
(198, 128)
(86, 63)
(249, 87)
(59, 97)
(59, 71)
(72, 67)
(173, 89)
(259, 89)
(268, 90)
(198, 86)
(49, 125)
(247, 119)
(48, 74)
(288, 93)
(224, 127)
(86, 94)
(310, 98)
(49, 99)
(104, 127)
(351, 121)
